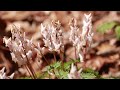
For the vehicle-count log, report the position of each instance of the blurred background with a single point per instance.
(104, 55)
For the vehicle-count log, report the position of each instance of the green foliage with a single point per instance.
(56, 65)
(109, 26)
(68, 64)
(117, 31)
(106, 26)
(61, 74)
(58, 69)
(25, 78)
(61, 70)
(90, 74)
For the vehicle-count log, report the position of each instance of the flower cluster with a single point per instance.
(74, 32)
(82, 41)
(87, 33)
(3, 74)
(22, 49)
(52, 36)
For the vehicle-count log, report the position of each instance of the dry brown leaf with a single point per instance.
(105, 48)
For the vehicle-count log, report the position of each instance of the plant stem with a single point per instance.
(75, 53)
(84, 53)
(54, 56)
(44, 58)
(28, 63)
(61, 56)
(29, 72)
(31, 69)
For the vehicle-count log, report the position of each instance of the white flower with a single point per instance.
(2, 70)
(81, 57)
(52, 36)
(3, 74)
(7, 41)
(82, 41)
(73, 68)
(57, 46)
(29, 54)
(20, 46)
(13, 57)
(74, 32)
(11, 76)
(74, 74)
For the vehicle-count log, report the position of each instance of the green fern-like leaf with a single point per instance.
(67, 65)
(90, 74)
(63, 74)
(61, 70)
(56, 65)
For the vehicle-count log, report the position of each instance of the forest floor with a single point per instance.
(103, 57)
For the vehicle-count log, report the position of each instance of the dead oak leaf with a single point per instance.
(105, 48)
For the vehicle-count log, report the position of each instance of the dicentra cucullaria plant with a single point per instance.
(53, 38)
(81, 41)
(23, 50)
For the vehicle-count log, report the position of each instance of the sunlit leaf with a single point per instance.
(106, 26)
(117, 31)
